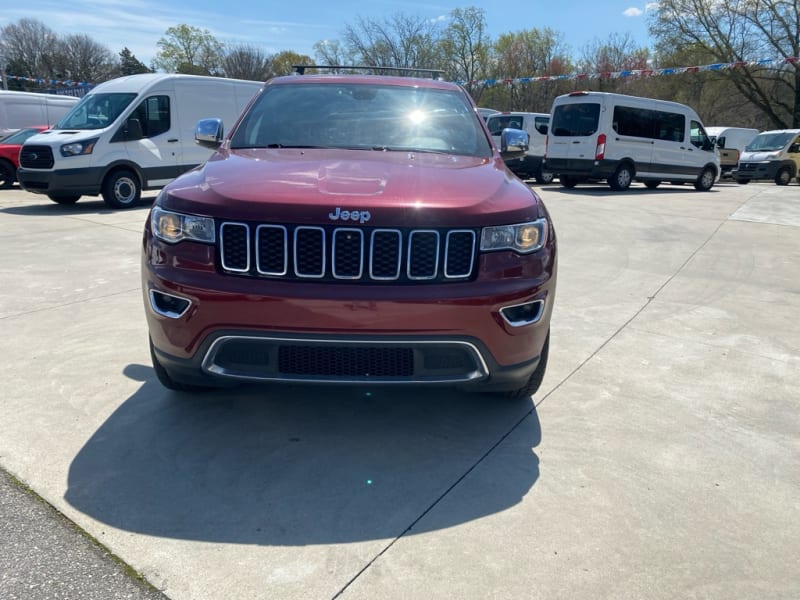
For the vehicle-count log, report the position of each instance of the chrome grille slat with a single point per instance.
(357, 254)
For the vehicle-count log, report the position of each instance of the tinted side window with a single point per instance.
(579, 119)
(541, 123)
(650, 124)
(154, 115)
(497, 124)
(699, 137)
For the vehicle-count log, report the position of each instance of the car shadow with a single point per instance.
(44, 207)
(295, 465)
(602, 189)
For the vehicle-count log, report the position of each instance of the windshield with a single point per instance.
(769, 142)
(96, 111)
(20, 136)
(363, 117)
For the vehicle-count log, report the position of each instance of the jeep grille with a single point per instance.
(347, 253)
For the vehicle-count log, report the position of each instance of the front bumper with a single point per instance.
(228, 328)
(764, 170)
(83, 182)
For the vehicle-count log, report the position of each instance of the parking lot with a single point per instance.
(660, 459)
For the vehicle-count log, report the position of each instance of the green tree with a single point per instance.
(282, 62)
(130, 65)
(188, 49)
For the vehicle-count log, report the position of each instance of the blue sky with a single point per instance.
(297, 26)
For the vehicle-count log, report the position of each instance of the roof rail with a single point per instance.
(432, 73)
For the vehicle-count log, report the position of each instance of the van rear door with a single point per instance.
(573, 133)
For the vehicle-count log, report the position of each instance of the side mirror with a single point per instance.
(513, 143)
(209, 133)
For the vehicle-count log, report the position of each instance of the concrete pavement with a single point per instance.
(661, 458)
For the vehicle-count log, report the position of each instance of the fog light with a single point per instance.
(168, 305)
(523, 314)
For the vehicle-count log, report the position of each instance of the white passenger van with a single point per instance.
(129, 134)
(730, 143)
(619, 138)
(535, 124)
(27, 109)
(771, 155)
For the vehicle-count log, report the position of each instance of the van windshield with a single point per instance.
(769, 142)
(575, 119)
(96, 111)
(361, 116)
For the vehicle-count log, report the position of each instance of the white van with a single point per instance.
(619, 138)
(27, 109)
(129, 134)
(535, 124)
(730, 143)
(771, 155)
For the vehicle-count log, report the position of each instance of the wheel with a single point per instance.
(742, 181)
(621, 179)
(64, 198)
(783, 176)
(166, 379)
(651, 185)
(543, 177)
(121, 189)
(706, 180)
(8, 174)
(531, 386)
(568, 181)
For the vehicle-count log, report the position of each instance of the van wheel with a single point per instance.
(651, 185)
(783, 176)
(706, 180)
(543, 177)
(7, 174)
(568, 181)
(64, 198)
(121, 189)
(534, 382)
(621, 179)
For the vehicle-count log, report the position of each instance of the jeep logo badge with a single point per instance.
(362, 216)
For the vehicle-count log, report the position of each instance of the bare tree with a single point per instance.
(188, 49)
(332, 53)
(26, 48)
(402, 41)
(619, 52)
(742, 32)
(245, 61)
(80, 58)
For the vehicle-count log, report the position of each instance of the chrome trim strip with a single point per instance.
(525, 322)
(167, 313)
(360, 234)
(208, 365)
(399, 254)
(411, 245)
(285, 250)
(323, 254)
(222, 246)
(447, 252)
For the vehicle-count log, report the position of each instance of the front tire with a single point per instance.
(706, 180)
(122, 189)
(783, 176)
(568, 181)
(64, 198)
(651, 185)
(543, 177)
(8, 174)
(621, 179)
(534, 382)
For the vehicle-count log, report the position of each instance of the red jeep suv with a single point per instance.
(351, 229)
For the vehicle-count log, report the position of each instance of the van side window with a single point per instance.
(153, 115)
(541, 123)
(578, 119)
(699, 137)
(649, 124)
(497, 124)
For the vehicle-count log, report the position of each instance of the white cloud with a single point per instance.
(632, 12)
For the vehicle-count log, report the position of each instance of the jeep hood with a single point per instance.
(397, 188)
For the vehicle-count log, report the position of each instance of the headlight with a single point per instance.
(522, 238)
(174, 227)
(78, 148)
